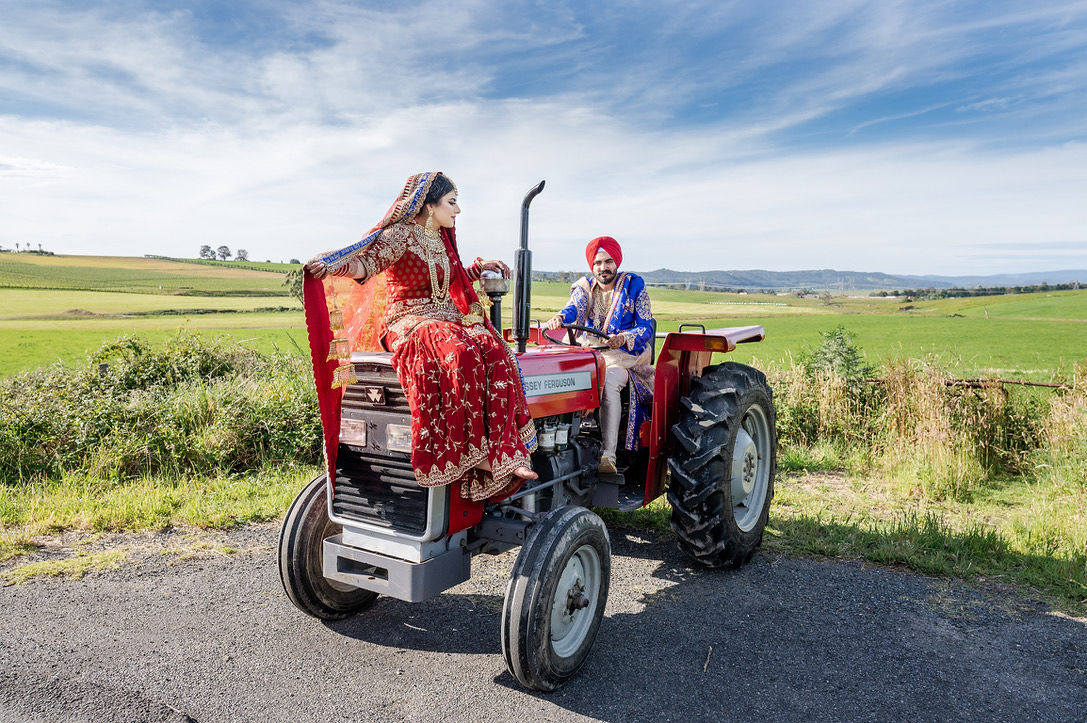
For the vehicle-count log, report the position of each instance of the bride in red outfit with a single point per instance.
(469, 417)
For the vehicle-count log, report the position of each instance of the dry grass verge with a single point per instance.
(72, 568)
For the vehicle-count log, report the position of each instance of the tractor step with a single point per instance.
(611, 492)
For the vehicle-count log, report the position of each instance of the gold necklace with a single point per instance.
(434, 253)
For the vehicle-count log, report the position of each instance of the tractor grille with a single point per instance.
(379, 490)
(374, 485)
(370, 374)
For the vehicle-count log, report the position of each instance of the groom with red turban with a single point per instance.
(616, 303)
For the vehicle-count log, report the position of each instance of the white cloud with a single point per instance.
(297, 151)
(296, 190)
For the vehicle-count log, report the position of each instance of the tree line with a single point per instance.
(223, 253)
(959, 292)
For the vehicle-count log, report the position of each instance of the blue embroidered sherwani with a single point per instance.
(629, 314)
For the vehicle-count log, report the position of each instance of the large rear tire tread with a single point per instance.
(526, 613)
(301, 541)
(701, 464)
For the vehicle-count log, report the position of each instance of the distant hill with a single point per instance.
(1066, 276)
(834, 279)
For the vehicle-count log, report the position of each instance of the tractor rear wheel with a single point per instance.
(723, 465)
(555, 597)
(301, 553)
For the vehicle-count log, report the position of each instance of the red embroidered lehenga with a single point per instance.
(462, 382)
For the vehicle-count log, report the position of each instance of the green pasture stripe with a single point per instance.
(23, 303)
(130, 274)
(273, 266)
(23, 349)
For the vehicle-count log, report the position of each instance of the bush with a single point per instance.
(914, 424)
(188, 407)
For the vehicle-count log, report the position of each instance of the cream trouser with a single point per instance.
(615, 379)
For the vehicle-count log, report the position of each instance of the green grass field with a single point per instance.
(139, 275)
(62, 308)
(1054, 305)
(1004, 346)
(1025, 529)
(1029, 336)
(44, 302)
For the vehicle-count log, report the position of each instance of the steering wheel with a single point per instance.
(571, 328)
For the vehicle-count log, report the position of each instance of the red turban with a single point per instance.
(605, 243)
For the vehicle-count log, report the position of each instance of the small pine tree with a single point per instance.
(838, 355)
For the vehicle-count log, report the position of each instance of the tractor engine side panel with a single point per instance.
(561, 380)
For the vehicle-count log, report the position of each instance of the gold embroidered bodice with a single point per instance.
(418, 271)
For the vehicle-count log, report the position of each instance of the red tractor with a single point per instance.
(369, 529)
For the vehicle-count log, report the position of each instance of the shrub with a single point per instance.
(188, 407)
(915, 423)
(1062, 455)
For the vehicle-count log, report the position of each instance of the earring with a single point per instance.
(429, 229)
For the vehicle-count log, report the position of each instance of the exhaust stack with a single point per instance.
(522, 288)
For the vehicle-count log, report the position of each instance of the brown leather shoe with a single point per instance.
(607, 465)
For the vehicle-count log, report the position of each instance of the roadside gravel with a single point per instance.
(200, 630)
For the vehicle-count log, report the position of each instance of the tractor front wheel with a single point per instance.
(555, 597)
(301, 553)
(723, 466)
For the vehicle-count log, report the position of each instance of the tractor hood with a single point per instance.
(561, 379)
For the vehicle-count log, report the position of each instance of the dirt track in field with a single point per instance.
(196, 634)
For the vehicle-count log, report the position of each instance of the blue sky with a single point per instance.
(912, 137)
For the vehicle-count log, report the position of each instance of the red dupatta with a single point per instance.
(343, 316)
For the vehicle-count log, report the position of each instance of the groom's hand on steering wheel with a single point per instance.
(617, 340)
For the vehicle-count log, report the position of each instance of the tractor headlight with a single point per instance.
(398, 438)
(353, 432)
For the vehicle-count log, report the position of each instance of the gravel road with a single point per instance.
(212, 638)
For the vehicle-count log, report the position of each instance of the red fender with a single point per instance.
(683, 355)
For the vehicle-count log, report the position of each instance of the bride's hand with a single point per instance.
(496, 266)
(317, 268)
